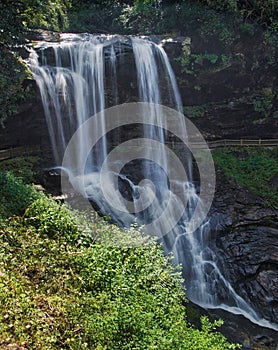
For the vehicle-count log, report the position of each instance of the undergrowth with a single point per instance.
(68, 282)
(25, 167)
(255, 169)
(15, 195)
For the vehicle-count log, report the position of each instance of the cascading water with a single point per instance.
(73, 90)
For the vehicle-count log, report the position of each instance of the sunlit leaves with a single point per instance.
(60, 292)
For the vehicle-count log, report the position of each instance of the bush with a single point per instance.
(144, 17)
(58, 293)
(52, 218)
(57, 296)
(15, 195)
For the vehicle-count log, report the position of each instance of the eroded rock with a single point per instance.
(245, 233)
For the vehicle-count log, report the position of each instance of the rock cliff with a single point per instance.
(245, 236)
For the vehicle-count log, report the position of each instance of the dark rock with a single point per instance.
(43, 35)
(246, 242)
(226, 91)
(268, 341)
(27, 127)
(238, 329)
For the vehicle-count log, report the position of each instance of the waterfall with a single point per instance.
(72, 77)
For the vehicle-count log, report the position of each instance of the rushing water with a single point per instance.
(72, 85)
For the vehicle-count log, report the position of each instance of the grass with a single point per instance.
(253, 168)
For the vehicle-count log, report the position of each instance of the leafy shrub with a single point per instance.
(15, 195)
(137, 301)
(32, 270)
(57, 293)
(56, 220)
(229, 5)
(57, 296)
(143, 17)
(52, 218)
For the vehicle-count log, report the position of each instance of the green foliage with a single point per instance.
(152, 14)
(17, 17)
(228, 5)
(271, 43)
(138, 297)
(56, 220)
(224, 58)
(12, 75)
(192, 64)
(212, 17)
(261, 11)
(217, 26)
(10, 23)
(251, 168)
(15, 195)
(58, 293)
(26, 168)
(145, 17)
(31, 268)
(203, 339)
(194, 111)
(266, 103)
(96, 17)
(46, 14)
(52, 218)
(200, 58)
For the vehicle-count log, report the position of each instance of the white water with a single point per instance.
(73, 90)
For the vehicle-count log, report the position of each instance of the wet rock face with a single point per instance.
(251, 261)
(238, 329)
(228, 91)
(28, 127)
(245, 235)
